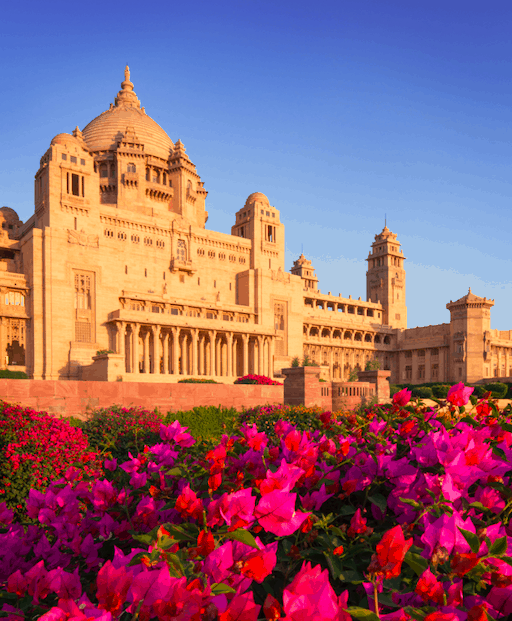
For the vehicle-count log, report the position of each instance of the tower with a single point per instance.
(304, 268)
(470, 322)
(385, 278)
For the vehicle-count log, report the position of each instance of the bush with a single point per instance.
(498, 390)
(440, 391)
(261, 380)
(423, 392)
(372, 365)
(393, 388)
(266, 416)
(117, 431)
(206, 422)
(479, 391)
(296, 362)
(7, 374)
(198, 380)
(36, 449)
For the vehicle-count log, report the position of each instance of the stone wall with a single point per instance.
(77, 398)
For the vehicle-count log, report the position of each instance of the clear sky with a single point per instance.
(339, 111)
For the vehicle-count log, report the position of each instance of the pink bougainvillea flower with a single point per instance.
(428, 588)
(391, 551)
(402, 397)
(441, 616)
(459, 394)
(272, 608)
(445, 532)
(285, 478)
(276, 513)
(260, 563)
(241, 608)
(188, 504)
(113, 585)
(311, 596)
(357, 525)
(176, 433)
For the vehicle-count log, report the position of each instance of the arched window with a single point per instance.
(181, 250)
(131, 168)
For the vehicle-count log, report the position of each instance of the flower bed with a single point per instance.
(397, 512)
(261, 380)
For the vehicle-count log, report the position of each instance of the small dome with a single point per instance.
(9, 215)
(65, 139)
(256, 197)
(103, 132)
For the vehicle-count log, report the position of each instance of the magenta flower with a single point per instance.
(276, 513)
(176, 433)
(311, 596)
(459, 394)
(402, 397)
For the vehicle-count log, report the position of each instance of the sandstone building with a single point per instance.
(117, 257)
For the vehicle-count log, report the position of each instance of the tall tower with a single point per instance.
(385, 278)
(304, 268)
(470, 321)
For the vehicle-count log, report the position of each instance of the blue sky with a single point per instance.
(340, 112)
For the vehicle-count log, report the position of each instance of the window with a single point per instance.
(135, 239)
(103, 170)
(160, 243)
(131, 168)
(14, 298)
(75, 185)
(148, 241)
(181, 250)
(72, 159)
(64, 156)
(121, 235)
(82, 292)
(82, 162)
(211, 254)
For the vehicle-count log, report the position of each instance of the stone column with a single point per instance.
(193, 357)
(271, 357)
(213, 337)
(145, 341)
(245, 341)
(165, 348)
(135, 348)
(184, 354)
(175, 350)
(260, 355)
(229, 354)
(156, 349)
(121, 327)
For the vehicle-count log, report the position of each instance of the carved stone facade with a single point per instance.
(117, 257)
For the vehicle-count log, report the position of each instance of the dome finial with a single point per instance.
(127, 74)
(126, 95)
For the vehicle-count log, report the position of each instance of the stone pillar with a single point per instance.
(184, 354)
(271, 358)
(135, 348)
(229, 354)
(165, 347)
(156, 349)
(245, 347)
(145, 340)
(213, 337)
(121, 327)
(260, 355)
(175, 350)
(193, 357)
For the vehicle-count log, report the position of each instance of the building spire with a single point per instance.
(126, 95)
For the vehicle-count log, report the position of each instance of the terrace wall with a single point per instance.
(77, 398)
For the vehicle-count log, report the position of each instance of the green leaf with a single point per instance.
(470, 421)
(362, 613)
(137, 558)
(219, 587)
(244, 536)
(379, 501)
(175, 472)
(346, 510)
(416, 562)
(478, 505)
(506, 559)
(499, 547)
(499, 453)
(409, 501)
(506, 426)
(350, 575)
(471, 538)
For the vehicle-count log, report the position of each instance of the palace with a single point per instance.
(115, 277)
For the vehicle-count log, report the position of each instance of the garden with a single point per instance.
(393, 512)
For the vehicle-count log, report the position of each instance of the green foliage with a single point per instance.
(266, 416)
(498, 390)
(296, 362)
(353, 376)
(206, 422)
(394, 389)
(117, 431)
(479, 391)
(423, 392)
(372, 365)
(197, 380)
(307, 362)
(440, 391)
(8, 374)
(102, 352)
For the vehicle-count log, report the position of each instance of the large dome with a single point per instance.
(103, 132)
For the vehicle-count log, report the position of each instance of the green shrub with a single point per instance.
(479, 391)
(474, 399)
(498, 390)
(8, 374)
(372, 365)
(440, 391)
(206, 422)
(393, 388)
(198, 380)
(423, 392)
(117, 431)
(296, 362)
(266, 416)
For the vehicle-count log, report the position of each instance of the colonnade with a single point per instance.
(343, 360)
(173, 350)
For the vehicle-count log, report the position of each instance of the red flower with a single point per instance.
(272, 608)
(391, 551)
(463, 563)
